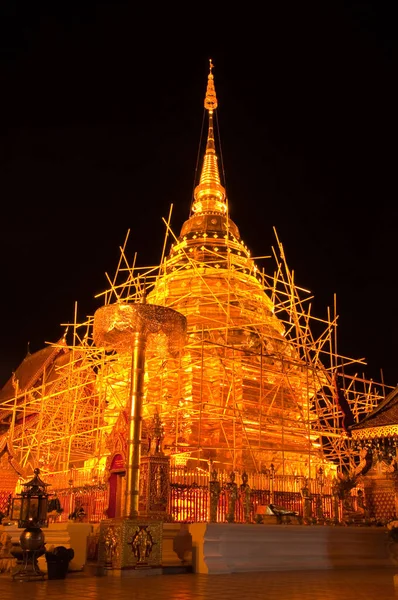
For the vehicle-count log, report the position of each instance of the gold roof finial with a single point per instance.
(209, 195)
(211, 98)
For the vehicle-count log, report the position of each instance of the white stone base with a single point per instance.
(172, 533)
(236, 547)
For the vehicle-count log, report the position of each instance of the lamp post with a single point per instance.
(30, 510)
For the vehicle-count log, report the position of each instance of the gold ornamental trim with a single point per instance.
(386, 431)
(130, 543)
(211, 98)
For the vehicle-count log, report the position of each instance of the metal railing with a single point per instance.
(190, 498)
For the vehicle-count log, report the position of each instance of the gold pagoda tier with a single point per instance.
(242, 397)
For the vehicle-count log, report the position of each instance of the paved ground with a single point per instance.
(366, 584)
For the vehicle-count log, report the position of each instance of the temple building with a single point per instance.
(377, 433)
(252, 390)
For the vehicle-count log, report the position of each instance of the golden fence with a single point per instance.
(189, 497)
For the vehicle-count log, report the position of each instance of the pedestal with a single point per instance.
(154, 486)
(131, 547)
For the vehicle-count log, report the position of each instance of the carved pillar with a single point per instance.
(133, 542)
(155, 486)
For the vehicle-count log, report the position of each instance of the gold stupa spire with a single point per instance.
(209, 195)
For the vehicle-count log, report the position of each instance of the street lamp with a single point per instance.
(30, 510)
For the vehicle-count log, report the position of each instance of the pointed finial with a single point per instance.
(210, 195)
(211, 98)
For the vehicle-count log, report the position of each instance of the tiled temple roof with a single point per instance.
(31, 369)
(382, 421)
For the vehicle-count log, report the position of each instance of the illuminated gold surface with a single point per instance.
(210, 195)
(126, 328)
(243, 392)
(116, 324)
(371, 433)
(251, 388)
(210, 98)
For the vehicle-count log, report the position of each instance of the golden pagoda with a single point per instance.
(242, 397)
(253, 390)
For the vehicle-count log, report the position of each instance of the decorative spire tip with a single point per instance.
(211, 98)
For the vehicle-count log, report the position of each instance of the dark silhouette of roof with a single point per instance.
(384, 415)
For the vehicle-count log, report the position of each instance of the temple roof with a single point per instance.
(382, 421)
(31, 370)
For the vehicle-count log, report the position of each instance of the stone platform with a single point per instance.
(216, 548)
(176, 546)
(235, 547)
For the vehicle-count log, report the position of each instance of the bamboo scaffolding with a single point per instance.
(279, 389)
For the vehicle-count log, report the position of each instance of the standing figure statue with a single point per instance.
(307, 501)
(7, 560)
(142, 544)
(232, 491)
(214, 496)
(245, 494)
(320, 517)
(110, 543)
(336, 501)
(155, 436)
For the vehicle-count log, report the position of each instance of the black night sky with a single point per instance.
(101, 116)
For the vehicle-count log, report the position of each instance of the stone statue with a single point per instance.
(156, 436)
(215, 490)
(320, 517)
(110, 543)
(232, 491)
(7, 560)
(245, 494)
(307, 501)
(350, 515)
